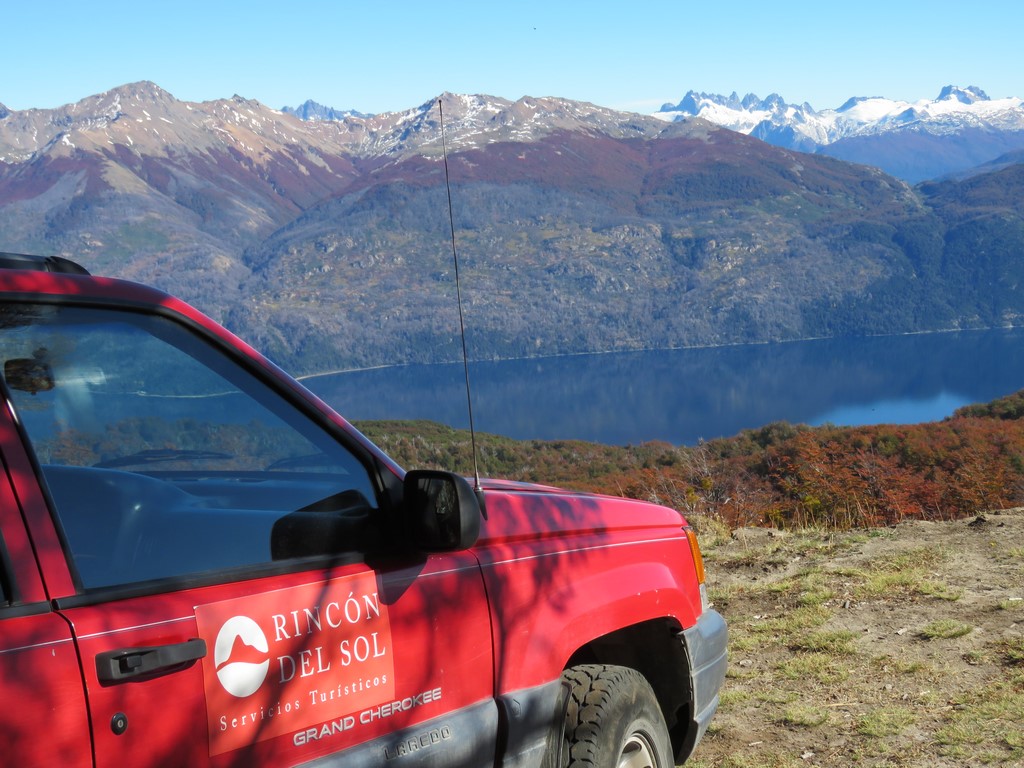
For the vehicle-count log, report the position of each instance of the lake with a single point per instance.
(683, 396)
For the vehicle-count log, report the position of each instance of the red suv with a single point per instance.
(203, 565)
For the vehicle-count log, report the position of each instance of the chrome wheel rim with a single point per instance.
(637, 753)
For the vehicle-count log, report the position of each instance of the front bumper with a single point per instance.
(705, 643)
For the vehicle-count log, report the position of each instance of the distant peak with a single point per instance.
(444, 98)
(692, 103)
(852, 102)
(447, 98)
(4, 111)
(750, 101)
(312, 110)
(463, 99)
(967, 95)
(143, 90)
(461, 104)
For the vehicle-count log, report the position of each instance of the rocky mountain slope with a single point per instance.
(581, 229)
(577, 243)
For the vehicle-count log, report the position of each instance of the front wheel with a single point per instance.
(613, 720)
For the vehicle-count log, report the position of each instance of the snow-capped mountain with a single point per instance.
(476, 121)
(954, 109)
(143, 119)
(959, 129)
(311, 110)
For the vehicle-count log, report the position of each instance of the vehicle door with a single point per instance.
(223, 554)
(44, 719)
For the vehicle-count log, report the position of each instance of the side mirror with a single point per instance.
(29, 374)
(441, 511)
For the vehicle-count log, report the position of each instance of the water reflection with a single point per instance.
(685, 395)
(900, 411)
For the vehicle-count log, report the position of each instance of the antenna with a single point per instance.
(458, 295)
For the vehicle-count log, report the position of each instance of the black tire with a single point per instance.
(613, 720)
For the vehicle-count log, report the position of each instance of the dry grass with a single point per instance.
(896, 647)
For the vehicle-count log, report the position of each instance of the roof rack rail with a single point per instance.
(41, 263)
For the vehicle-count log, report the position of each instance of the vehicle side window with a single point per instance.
(163, 457)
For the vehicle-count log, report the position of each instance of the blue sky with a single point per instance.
(379, 57)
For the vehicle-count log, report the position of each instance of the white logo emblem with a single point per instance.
(240, 656)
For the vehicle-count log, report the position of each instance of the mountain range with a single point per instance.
(960, 129)
(579, 228)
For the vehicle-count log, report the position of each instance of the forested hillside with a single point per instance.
(780, 475)
(577, 244)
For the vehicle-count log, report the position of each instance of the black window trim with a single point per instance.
(19, 610)
(322, 564)
(8, 585)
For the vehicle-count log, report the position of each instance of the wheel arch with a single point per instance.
(656, 650)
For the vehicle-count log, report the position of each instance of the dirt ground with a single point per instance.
(893, 647)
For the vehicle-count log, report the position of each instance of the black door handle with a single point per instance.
(133, 664)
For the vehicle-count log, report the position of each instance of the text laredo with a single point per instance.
(334, 615)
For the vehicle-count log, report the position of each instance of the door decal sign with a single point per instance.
(291, 658)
